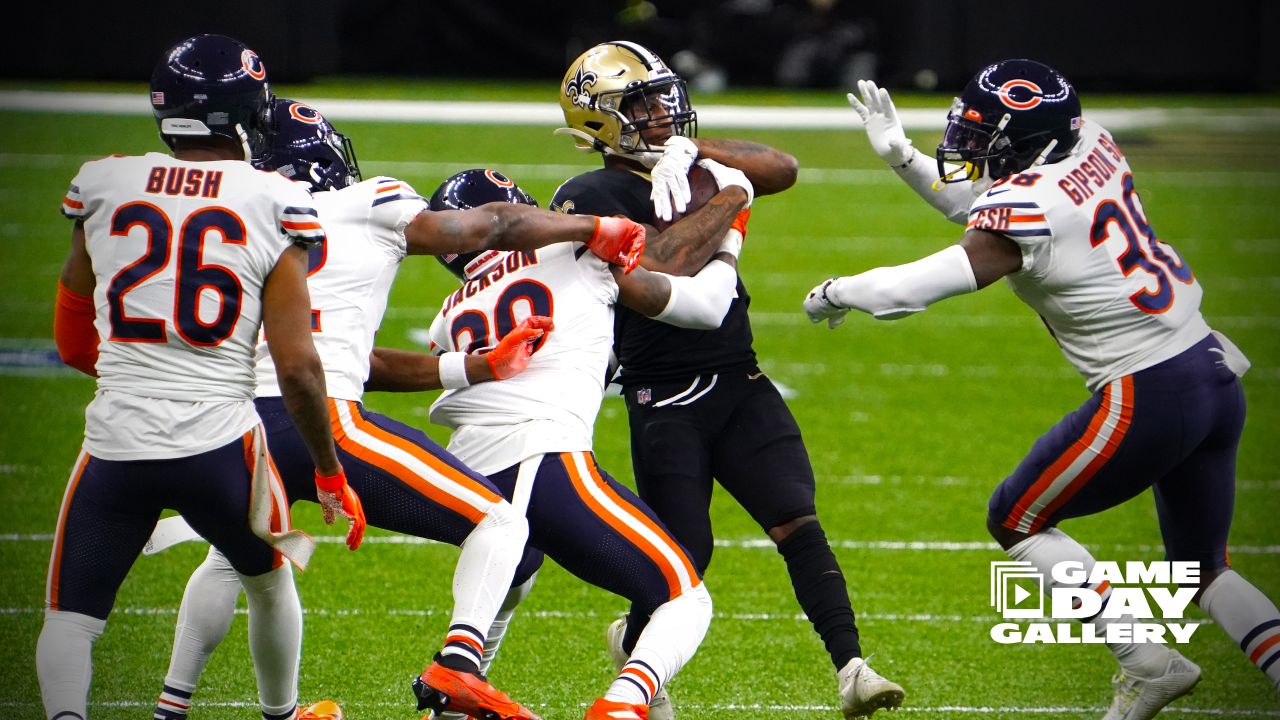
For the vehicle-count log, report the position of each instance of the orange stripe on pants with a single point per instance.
(55, 556)
(655, 556)
(643, 519)
(409, 477)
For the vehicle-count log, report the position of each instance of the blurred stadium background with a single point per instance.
(909, 424)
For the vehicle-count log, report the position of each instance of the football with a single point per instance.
(702, 187)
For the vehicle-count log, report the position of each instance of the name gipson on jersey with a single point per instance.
(1095, 169)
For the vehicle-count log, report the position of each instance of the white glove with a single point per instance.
(726, 176)
(671, 177)
(884, 129)
(819, 306)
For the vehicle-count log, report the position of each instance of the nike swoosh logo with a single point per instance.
(997, 192)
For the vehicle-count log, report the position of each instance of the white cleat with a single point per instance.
(660, 708)
(863, 690)
(1139, 698)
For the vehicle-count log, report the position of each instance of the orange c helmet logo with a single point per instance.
(498, 179)
(1034, 95)
(304, 113)
(253, 64)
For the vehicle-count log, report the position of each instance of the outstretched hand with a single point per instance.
(819, 306)
(880, 117)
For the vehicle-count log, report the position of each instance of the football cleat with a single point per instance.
(660, 708)
(441, 689)
(609, 710)
(1139, 698)
(323, 710)
(863, 690)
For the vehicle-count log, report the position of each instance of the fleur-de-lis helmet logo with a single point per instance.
(578, 85)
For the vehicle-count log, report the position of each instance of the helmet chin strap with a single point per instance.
(244, 142)
(648, 159)
(1044, 154)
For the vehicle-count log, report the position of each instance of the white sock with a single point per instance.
(674, 632)
(204, 618)
(64, 662)
(498, 630)
(275, 638)
(482, 578)
(1249, 618)
(1050, 547)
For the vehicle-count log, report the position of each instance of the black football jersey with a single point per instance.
(649, 350)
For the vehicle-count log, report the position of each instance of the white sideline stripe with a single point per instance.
(560, 171)
(761, 544)
(765, 707)
(549, 114)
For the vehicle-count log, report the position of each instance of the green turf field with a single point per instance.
(909, 426)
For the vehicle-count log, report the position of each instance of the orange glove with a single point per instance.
(740, 223)
(511, 355)
(618, 241)
(336, 496)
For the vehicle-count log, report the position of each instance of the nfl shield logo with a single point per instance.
(644, 395)
(157, 98)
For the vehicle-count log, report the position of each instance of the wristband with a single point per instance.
(453, 371)
(331, 483)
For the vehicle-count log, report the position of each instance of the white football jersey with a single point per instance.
(552, 405)
(1115, 297)
(180, 252)
(349, 280)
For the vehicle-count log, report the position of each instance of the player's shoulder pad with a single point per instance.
(585, 194)
(386, 190)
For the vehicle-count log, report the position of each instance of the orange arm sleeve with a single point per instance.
(73, 331)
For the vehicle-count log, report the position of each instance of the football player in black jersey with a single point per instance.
(699, 407)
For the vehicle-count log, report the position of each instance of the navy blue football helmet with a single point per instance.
(303, 146)
(470, 189)
(211, 85)
(1012, 115)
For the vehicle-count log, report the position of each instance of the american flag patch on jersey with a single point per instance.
(302, 224)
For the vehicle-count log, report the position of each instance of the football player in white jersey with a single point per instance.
(531, 435)
(1049, 203)
(175, 263)
(408, 483)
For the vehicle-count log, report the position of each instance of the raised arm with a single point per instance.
(508, 226)
(890, 142)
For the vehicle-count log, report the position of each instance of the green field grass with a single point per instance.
(909, 425)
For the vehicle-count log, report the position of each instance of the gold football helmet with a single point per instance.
(616, 94)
